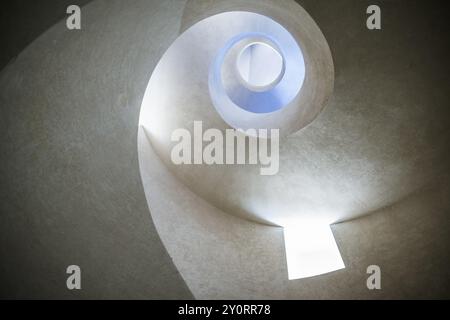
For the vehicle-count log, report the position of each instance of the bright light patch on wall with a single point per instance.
(311, 250)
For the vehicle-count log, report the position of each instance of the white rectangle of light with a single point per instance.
(311, 250)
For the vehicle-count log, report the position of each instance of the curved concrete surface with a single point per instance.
(178, 95)
(72, 194)
(71, 190)
(365, 151)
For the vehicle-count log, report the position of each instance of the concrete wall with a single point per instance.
(361, 137)
(70, 186)
(223, 257)
(70, 190)
(22, 21)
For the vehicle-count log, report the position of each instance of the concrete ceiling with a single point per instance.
(71, 190)
(380, 138)
(22, 21)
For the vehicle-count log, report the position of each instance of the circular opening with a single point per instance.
(260, 66)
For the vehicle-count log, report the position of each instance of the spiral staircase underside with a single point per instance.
(72, 189)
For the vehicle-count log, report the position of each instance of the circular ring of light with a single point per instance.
(192, 70)
(258, 102)
(235, 102)
(260, 66)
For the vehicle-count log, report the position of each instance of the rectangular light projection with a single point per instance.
(311, 250)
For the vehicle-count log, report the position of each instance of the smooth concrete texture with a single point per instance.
(178, 94)
(317, 86)
(195, 244)
(70, 186)
(71, 191)
(220, 256)
(22, 21)
(379, 139)
(224, 257)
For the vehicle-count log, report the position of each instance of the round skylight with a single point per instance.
(260, 66)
